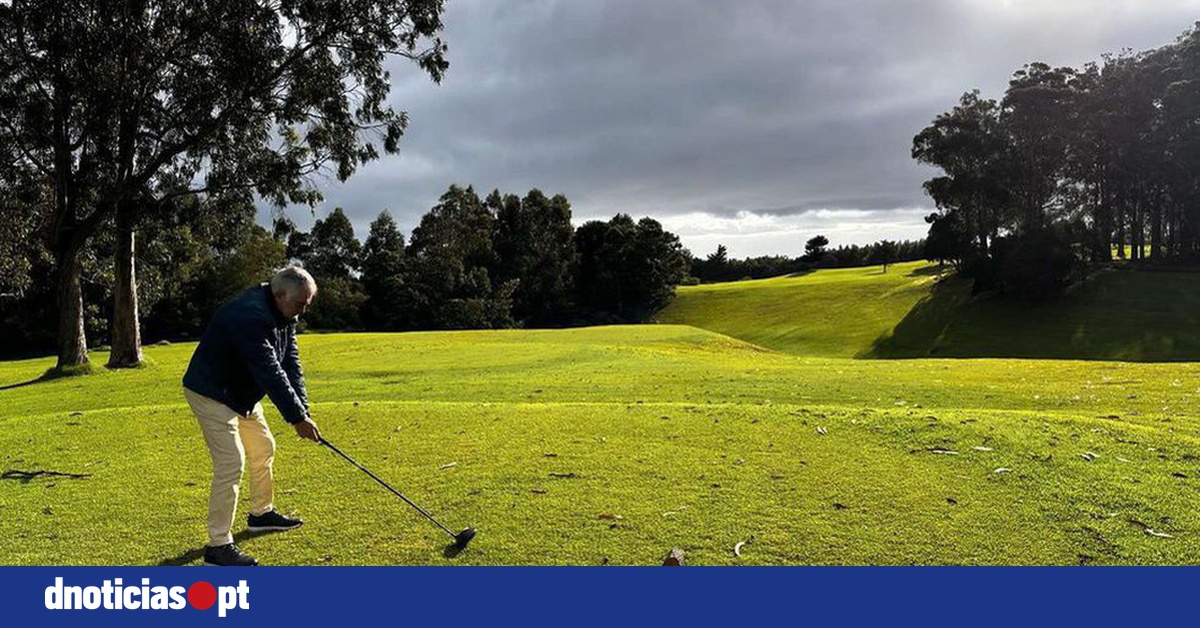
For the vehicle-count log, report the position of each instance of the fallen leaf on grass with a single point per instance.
(1002, 470)
(943, 451)
(448, 465)
(1161, 535)
(1089, 456)
(1179, 475)
(670, 513)
(821, 430)
(982, 448)
(951, 501)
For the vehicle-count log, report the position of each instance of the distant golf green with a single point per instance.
(617, 444)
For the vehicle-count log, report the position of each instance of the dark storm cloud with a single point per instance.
(679, 108)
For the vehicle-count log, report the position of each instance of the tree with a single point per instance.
(627, 271)
(534, 247)
(883, 252)
(383, 276)
(447, 278)
(814, 249)
(970, 146)
(948, 241)
(332, 251)
(108, 100)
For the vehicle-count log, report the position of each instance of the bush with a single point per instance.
(1037, 266)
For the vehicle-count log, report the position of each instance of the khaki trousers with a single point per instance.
(233, 440)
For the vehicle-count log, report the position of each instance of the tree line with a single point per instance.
(482, 263)
(717, 266)
(471, 263)
(1072, 168)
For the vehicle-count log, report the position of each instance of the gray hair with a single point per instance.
(292, 280)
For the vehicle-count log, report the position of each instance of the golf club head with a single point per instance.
(462, 538)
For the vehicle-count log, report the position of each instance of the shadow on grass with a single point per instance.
(25, 477)
(194, 555)
(23, 384)
(1125, 316)
(54, 373)
(452, 550)
(928, 271)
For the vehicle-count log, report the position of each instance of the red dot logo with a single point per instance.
(202, 595)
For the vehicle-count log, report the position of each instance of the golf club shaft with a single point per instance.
(385, 485)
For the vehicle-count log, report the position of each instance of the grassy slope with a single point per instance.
(830, 313)
(697, 440)
(1118, 315)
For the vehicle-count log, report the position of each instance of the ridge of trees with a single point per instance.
(717, 266)
(1072, 168)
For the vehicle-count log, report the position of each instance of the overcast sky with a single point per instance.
(755, 124)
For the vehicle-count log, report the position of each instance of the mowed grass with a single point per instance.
(915, 311)
(613, 445)
(829, 313)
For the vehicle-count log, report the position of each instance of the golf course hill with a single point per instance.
(921, 310)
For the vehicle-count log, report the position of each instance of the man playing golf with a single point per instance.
(248, 350)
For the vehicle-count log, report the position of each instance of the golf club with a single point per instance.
(460, 539)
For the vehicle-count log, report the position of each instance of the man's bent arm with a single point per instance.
(253, 342)
(291, 366)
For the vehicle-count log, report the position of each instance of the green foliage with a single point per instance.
(337, 306)
(383, 269)
(1036, 265)
(814, 249)
(450, 257)
(627, 271)
(534, 244)
(116, 109)
(332, 251)
(1103, 157)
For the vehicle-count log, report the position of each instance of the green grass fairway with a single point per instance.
(614, 445)
(908, 313)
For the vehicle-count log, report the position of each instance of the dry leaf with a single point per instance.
(982, 448)
(943, 451)
(448, 465)
(737, 549)
(821, 430)
(1089, 456)
(1002, 470)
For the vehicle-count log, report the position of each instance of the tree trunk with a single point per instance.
(72, 342)
(1156, 227)
(1120, 229)
(126, 335)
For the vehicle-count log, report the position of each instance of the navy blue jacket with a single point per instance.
(248, 350)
